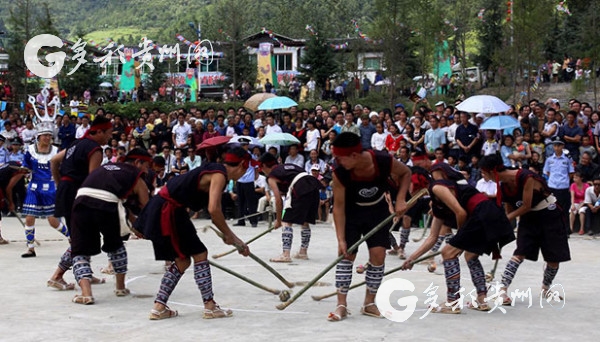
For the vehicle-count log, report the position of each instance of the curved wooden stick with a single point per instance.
(383, 223)
(248, 280)
(396, 269)
(258, 260)
(217, 256)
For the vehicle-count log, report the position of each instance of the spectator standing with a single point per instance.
(467, 136)
(366, 131)
(559, 169)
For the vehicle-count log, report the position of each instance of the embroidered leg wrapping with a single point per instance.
(305, 234)
(452, 272)
(287, 235)
(167, 284)
(30, 236)
(343, 276)
(510, 271)
(448, 237)
(66, 261)
(118, 259)
(438, 244)
(404, 233)
(374, 277)
(549, 274)
(63, 230)
(477, 275)
(203, 280)
(82, 268)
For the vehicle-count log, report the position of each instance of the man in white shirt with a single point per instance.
(272, 127)
(181, 131)
(451, 138)
(487, 186)
(311, 85)
(29, 134)
(294, 157)
(192, 160)
(74, 104)
(81, 130)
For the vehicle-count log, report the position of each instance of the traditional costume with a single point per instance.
(485, 231)
(300, 206)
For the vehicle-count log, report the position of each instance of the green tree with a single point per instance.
(234, 21)
(158, 76)
(490, 33)
(318, 61)
(391, 27)
(21, 25)
(87, 76)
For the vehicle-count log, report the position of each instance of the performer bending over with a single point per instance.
(360, 182)
(541, 226)
(98, 209)
(166, 222)
(10, 174)
(482, 228)
(301, 202)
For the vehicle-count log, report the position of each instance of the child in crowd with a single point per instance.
(490, 146)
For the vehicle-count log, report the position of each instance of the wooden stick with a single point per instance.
(258, 260)
(23, 224)
(217, 256)
(248, 280)
(396, 269)
(352, 248)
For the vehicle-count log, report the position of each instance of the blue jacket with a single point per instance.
(66, 135)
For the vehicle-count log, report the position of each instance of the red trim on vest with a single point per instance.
(474, 201)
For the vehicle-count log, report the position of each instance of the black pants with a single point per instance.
(247, 202)
(563, 199)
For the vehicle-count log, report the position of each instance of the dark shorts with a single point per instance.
(65, 197)
(87, 224)
(362, 220)
(149, 224)
(543, 230)
(486, 229)
(304, 208)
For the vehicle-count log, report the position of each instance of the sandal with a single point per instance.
(301, 256)
(506, 301)
(156, 315)
(108, 270)
(96, 281)
(334, 317)
(393, 251)
(60, 285)
(401, 254)
(122, 292)
(3, 242)
(445, 309)
(476, 305)
(281, 258)
(29, 254)
(85, 300)
(217, 312)
(367, 313)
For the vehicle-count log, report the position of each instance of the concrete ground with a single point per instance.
(30, 311)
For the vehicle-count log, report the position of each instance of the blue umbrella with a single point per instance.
(500, 122)
(277, 102)
(283, 139)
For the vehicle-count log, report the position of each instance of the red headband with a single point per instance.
(101, 127)
(346, 151)
(231, 158)
(139, 157)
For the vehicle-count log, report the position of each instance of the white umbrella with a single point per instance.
(106, 85)
(383, 82)
(483, 104)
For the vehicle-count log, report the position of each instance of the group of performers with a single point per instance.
(98, 201)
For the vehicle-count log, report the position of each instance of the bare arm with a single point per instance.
(217, 183)
(527, 198)
(55, 166)
(339, 214)
(278, 201)
(402, 176)
(9, 189)
(95, 161)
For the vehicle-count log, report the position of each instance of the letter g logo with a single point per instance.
(382, 299)
(56, 60)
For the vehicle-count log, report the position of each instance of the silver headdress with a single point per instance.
(45, 123)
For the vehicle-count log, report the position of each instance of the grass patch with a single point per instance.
(121, 34)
